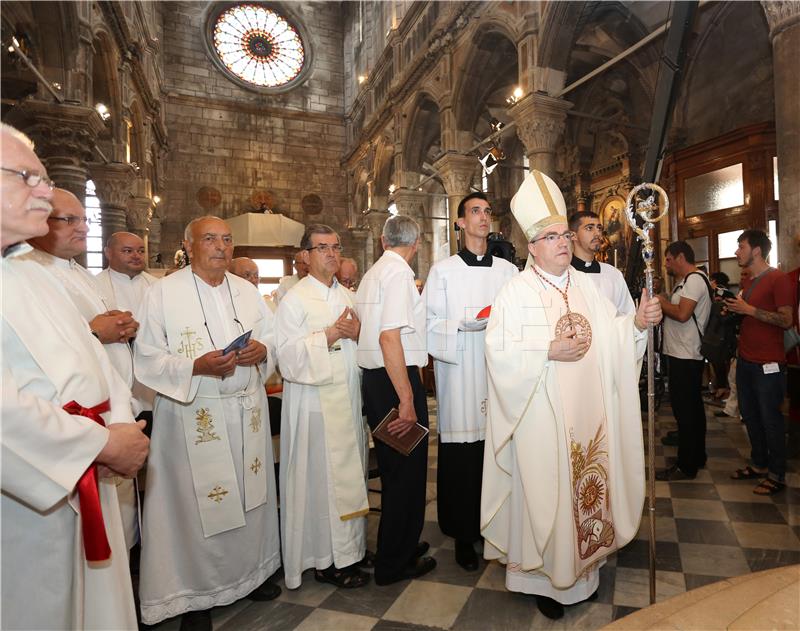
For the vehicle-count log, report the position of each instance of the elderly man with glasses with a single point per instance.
(67, 426)
(563, 481)
(323, 438)
(210, 528)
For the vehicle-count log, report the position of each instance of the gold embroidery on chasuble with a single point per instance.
(190, 344)
(590, 494)
(255, 420)
(256, 466)
(205, 427)
(218, 494)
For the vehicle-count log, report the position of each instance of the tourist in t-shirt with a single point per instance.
(765, 305)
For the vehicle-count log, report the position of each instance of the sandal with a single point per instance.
(368, 561)
(769, 487)
(748, 473)
(348, 578)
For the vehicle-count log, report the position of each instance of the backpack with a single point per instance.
(718, 342)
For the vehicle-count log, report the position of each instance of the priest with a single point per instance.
(210, 529)
(323, 437)
(564, 481)
(67, 423)
(587, 243)
(458, 289)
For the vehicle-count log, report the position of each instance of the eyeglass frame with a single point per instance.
(324, 247)
(71, 220)
(568, 236)
(26, 175)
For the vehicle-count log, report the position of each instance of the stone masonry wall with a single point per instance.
(242, 142)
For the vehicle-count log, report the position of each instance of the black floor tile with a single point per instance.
(637, 555)
(605, 592)
(371, 600)
(391, 625)
(450, 572)
(499, 611)
(759, 559)
(693, 490)
(274, 615)
(693, 581)
(722, 452)
(758, 513)
(718, 533)
(663, 507)
(621, 612)
(432, 534)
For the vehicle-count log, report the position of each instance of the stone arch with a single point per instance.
(559, 27)
(422, 133)
(382, 172)
(106, 89)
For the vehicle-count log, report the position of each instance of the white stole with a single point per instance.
(335, 398)
(210, 459)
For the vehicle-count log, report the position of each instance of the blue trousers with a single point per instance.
(760, 399)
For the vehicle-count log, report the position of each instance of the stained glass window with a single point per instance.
(258, 45)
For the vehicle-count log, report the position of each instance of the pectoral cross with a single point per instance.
(189, 346)
(217, 494)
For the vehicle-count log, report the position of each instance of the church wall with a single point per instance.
(244, 143)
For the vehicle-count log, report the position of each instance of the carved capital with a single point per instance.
(781, 15)
(456, 171)
(58, 129)
(540, 121)
(409, 202)
(113, 182)
(140, 211)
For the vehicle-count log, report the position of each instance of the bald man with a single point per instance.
(347, 274)
(287, 282)
(246, 268)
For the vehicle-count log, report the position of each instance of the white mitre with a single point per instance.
(538, 204)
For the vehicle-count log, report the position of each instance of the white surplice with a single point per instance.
(528, 493)
(454, 292)
(182, 569)
(49, 359)
(313, 534)
(85, 293)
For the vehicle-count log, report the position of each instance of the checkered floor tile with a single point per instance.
(706, 529)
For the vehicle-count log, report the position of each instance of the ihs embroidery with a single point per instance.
(217, 494)
(205, 427)
(190, 343)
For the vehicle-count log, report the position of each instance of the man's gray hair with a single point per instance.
(187, 233)
(5, 128)
(400, 230)
(312, 229)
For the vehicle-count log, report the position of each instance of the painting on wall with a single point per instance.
(617, 232)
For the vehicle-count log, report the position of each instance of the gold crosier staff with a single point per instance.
(647, 210)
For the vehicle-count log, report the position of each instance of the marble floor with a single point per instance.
(707, 529)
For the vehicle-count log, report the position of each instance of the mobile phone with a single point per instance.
(724, 292)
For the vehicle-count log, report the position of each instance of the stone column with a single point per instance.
(540, 123)
(113, 184)
(64, 136)
(411, 202)
(784, 31)
(456, 171)
(374, 221)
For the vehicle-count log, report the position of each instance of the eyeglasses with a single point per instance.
(325, 248)
(31, 178)
(552, 238)
(71, 221)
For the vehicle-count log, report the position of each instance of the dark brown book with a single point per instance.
(404, 444)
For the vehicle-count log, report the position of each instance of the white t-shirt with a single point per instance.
(681, 339)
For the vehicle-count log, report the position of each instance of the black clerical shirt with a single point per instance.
(472, 259)
(582, 266)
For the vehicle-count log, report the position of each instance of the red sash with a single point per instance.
(95, 541)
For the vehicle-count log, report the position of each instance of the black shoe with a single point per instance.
(264, 592)
(422, 548)
(673, 474)
(549, 607)
(670, 440)
(466, 556)
(196, 621)
(419, 568)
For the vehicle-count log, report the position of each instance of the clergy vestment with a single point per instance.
(85, 293)
(610, 281)
(210, 528)
(49, 360)
(323, 438)
(284, 285)
(563, 482)
(457, 289)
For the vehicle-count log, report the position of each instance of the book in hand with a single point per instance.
(239, 343)
(404, 444)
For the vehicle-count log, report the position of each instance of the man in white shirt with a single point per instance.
(287, 282)
(391, 350)
(246, 268)
(210, 522)
(587, 243)
(347, 274)
(458, 288)
(55, 251)
(67, 422)
(323, 437)
(686, 314)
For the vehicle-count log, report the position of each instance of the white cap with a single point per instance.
(538, 204)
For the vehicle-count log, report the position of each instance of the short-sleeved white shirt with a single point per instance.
(388, 299)
(681, 339)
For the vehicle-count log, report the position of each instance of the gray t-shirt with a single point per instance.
(681, 339)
